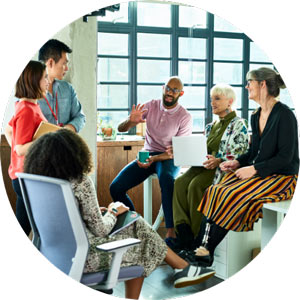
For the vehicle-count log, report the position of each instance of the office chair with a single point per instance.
(59, 233)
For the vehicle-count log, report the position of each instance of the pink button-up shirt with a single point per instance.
(163, 124)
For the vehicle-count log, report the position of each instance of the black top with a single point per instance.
(276, 150)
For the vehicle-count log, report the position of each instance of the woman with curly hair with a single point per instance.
(64, 154)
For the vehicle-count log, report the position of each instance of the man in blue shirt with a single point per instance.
(60, 105)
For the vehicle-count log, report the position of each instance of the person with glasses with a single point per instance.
(60, 104)
(266, 173)
(164, 118)
(227, 139)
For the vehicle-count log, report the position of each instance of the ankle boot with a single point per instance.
(185, 236)
(199, 238)
(210, 237)
(217, 234)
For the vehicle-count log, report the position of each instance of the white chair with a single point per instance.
(59, 233)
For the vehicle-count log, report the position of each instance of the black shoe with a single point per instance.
(189, 256)
(191, 275)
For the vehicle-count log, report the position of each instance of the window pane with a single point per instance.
(223, 25)
(120, 16)
(192, 48)
(257, 66)
(146, 93)
(112, 43)
(228, 73)
(192, 17)
(256, 54)
(238, 100)
(286, 98)
(192, 72)
(193, 97)
(113, 69)
(198, 120)
(228, 49)
(156, 15)
(157, 45)
(112, 118)
(112, 96)
(153, 70)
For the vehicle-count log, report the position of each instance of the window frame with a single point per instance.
(132, 29)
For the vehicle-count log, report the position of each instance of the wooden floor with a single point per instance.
(159, 285)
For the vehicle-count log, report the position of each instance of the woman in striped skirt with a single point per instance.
(266, 173)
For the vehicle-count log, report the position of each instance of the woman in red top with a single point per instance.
(31, 85)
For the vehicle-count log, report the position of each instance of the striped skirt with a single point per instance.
(236, 204)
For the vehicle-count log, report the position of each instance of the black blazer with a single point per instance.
(276, 150)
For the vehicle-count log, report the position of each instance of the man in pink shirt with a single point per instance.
(164, 118)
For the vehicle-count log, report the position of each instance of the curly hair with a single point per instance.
(61, 154)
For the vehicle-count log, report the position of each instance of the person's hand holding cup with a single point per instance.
(143, 159)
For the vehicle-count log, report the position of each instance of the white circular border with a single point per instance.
(26, 25)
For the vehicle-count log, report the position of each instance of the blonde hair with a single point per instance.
(223, 89)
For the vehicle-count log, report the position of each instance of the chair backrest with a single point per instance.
(58, 230)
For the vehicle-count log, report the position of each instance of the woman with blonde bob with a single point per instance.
(227, 139)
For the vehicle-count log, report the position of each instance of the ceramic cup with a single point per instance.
(143, 155)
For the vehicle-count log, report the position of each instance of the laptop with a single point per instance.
(189, 150)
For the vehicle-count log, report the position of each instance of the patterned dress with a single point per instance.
(149, 253)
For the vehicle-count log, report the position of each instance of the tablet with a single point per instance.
(189, 150)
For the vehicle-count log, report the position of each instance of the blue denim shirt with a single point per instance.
(69, 108)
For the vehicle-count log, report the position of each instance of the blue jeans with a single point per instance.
(21, 212)
(132, 175)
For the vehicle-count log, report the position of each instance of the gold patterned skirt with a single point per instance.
(236, 204)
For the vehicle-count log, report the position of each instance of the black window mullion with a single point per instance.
(174, 40)
(132, 99)
(209, 66)
(246, 57)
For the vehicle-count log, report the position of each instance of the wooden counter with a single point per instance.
(5, 162)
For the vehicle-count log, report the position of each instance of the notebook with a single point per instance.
(189, 150)
(124, 220)
(43, 128)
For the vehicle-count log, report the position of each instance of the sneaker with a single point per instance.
(191, 275)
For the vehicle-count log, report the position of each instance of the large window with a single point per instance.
(143, 44)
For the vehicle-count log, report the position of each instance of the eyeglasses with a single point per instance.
(249, 81)
(174, 91)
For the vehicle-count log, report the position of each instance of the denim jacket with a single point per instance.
(69, 108)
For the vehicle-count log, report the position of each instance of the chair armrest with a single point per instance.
(118, 248)
(109, 247)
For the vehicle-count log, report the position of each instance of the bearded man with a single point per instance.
(164, 119)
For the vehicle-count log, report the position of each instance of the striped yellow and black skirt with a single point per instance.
(236, 204)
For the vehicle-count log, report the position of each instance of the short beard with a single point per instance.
(168, 104)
